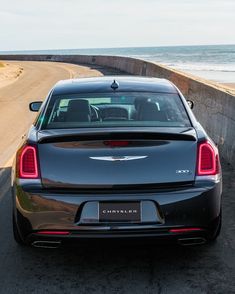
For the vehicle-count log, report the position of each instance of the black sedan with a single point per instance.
(116, 157)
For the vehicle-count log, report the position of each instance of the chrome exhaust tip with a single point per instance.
(46, 244)
(192, 241)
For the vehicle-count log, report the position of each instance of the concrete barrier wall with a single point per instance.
(214, 105)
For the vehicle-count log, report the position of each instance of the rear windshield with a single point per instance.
(115, 110)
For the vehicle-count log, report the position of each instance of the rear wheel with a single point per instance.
(16, 233)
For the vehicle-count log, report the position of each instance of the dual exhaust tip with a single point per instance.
(192, 241)
(46, 244)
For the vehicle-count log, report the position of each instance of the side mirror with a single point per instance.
(35, 106)
(190, 104)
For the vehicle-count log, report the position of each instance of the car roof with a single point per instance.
(103, 85)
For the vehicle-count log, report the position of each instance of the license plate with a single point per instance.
(119, 212)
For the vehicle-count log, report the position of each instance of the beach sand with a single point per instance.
(9, 73)
(229, 85)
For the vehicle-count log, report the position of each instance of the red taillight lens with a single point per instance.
(208, 160)
(28, 163)
(184, 230)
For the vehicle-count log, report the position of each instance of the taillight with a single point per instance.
(208, 160)
(184, 230)
(28, 163)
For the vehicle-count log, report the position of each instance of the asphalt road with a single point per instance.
(120, 269)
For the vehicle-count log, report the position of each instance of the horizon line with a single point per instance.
(108, 48)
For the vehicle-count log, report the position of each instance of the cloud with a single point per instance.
(109, 23)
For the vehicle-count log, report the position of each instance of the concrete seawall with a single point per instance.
(214, 105)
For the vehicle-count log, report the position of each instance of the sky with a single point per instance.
(74, 24)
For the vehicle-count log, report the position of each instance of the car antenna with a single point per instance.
(114, 85)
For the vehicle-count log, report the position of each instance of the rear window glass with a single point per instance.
(115, 110)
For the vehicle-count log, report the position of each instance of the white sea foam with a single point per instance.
(203, 67)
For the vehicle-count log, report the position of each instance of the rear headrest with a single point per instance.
(79, 105)
(138, 101)
(78, 110)
(149, 111)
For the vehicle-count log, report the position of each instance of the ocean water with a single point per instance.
(214, 62)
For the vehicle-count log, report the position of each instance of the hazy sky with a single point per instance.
(58, 24)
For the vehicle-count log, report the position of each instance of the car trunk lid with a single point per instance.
(96, 159)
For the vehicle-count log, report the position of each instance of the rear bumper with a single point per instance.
(130, 237)
(194, 207)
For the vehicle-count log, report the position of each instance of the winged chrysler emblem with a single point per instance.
(118, 158)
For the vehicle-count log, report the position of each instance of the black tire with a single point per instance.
(16, 233)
